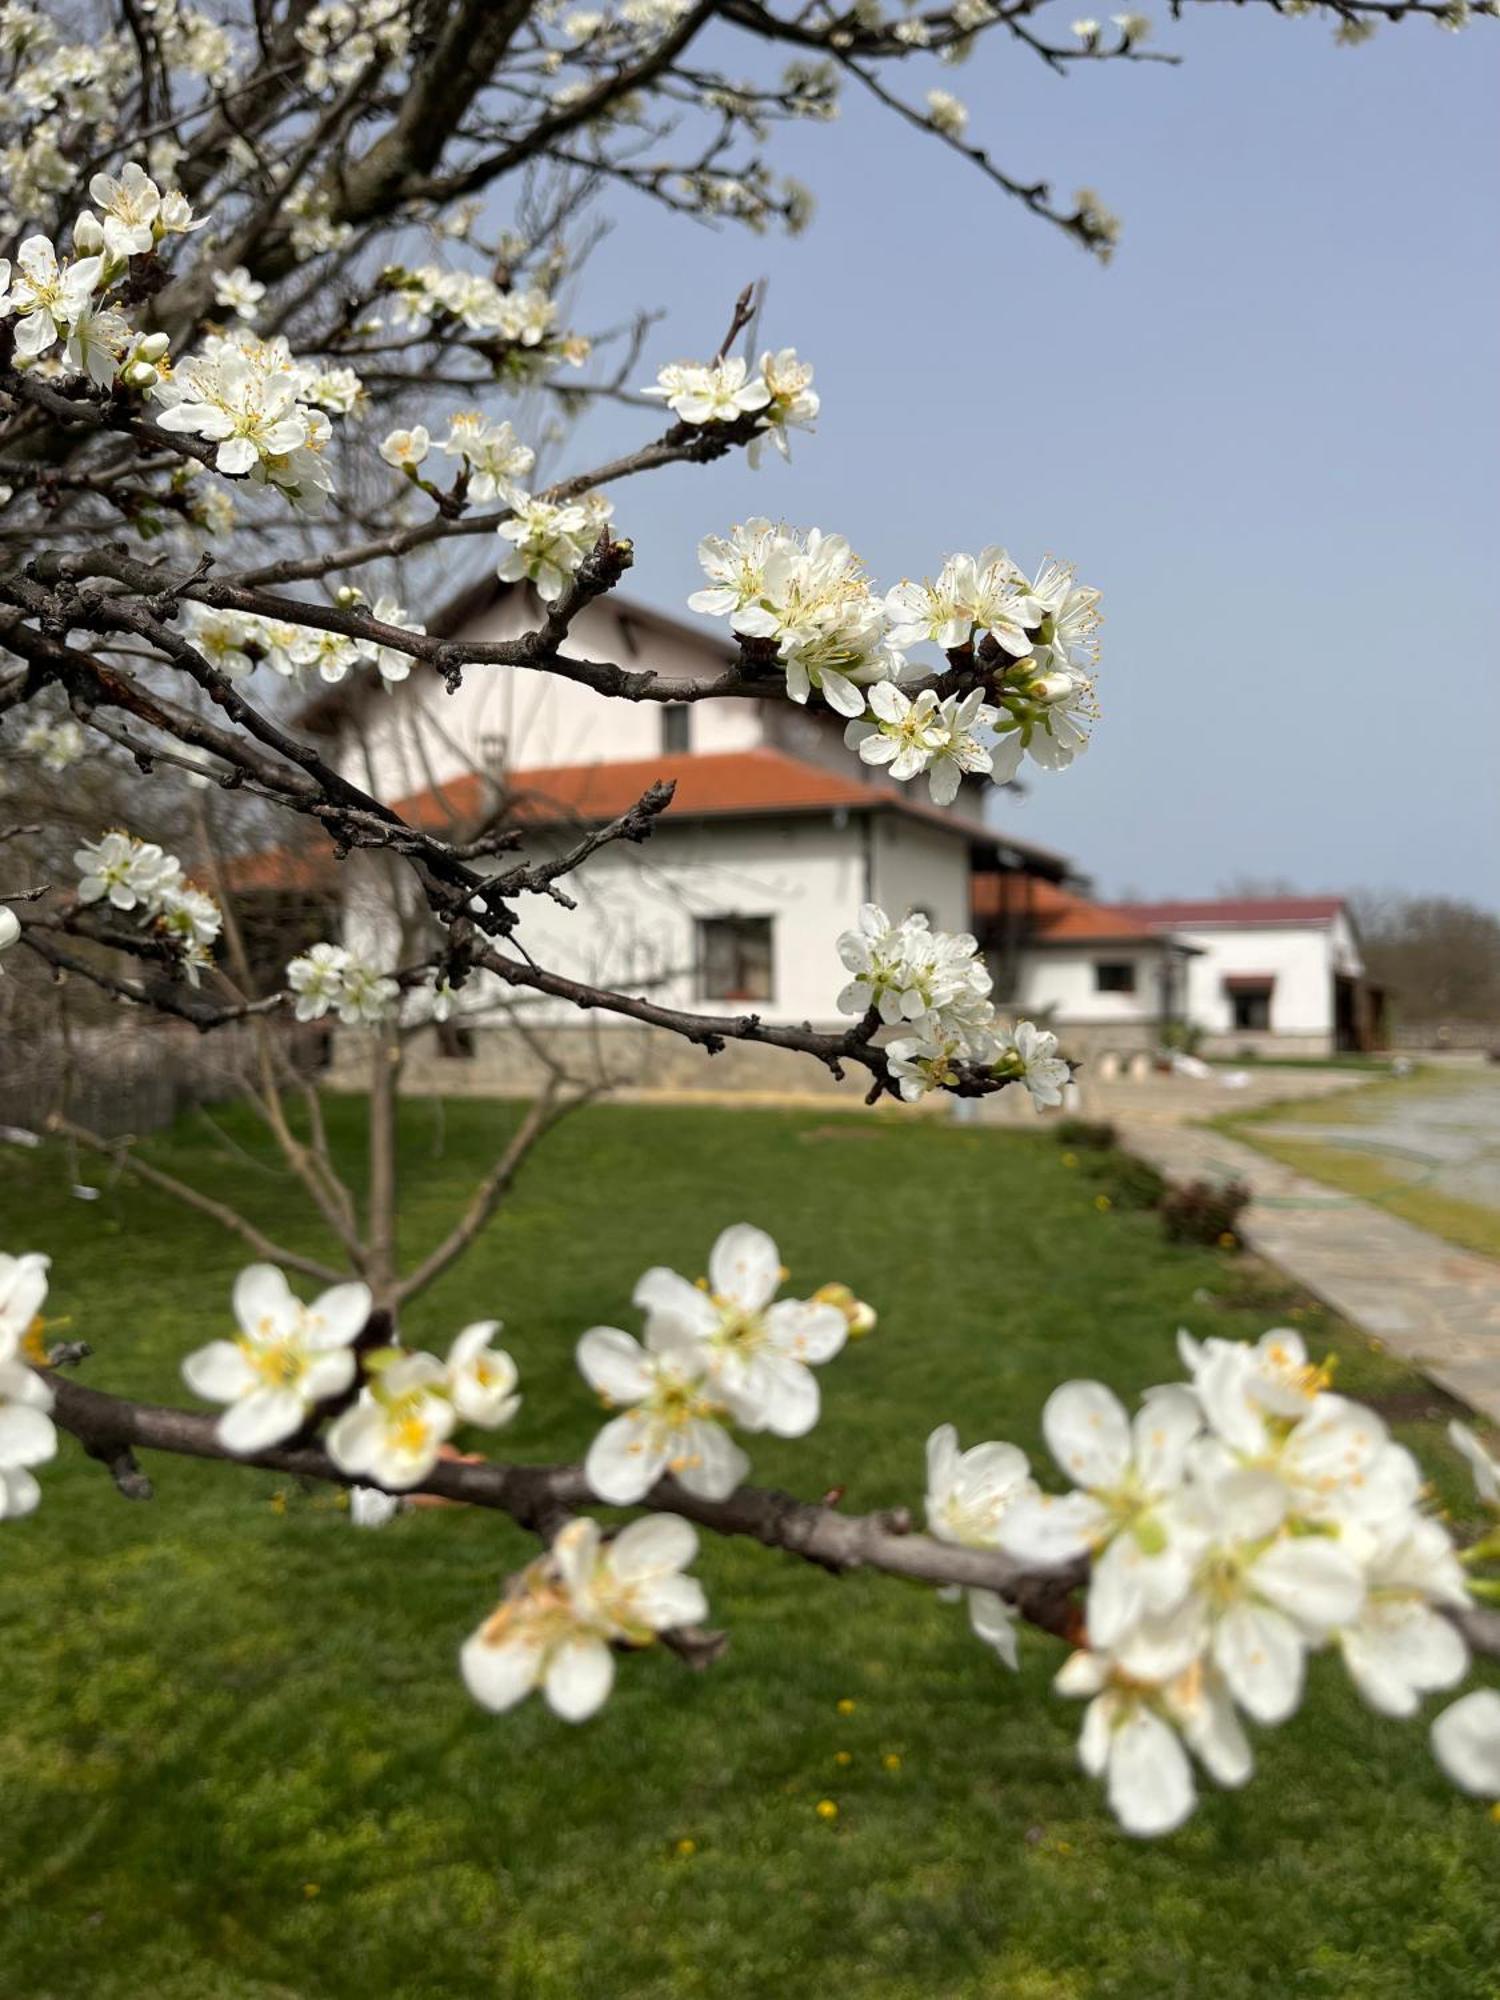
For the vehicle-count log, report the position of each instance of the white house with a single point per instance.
(1271, 973)
(775, 836)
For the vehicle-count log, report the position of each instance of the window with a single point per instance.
(455, 1041)
(734, 958)
(1250, 1006)
(1114, 975)
(676, 726)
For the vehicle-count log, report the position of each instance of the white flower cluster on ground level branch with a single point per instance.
(1028, 649)
(1245, 1518)
(27, 1436)
(934, 985)
(726, 1352)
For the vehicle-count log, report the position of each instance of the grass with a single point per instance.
(1366, 1175)
(236, 1762)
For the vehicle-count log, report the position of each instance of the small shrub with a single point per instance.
(1132, 1183)
(1204, 1212)
(1094, 1135)
(1183, 1038)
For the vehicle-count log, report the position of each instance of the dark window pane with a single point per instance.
(676, 727)
(1114, 976)
(735, 958)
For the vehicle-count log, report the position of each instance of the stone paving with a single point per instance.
(1436, 1306)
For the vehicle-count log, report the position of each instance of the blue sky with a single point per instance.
(1267, 430)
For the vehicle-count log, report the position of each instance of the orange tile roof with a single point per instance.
(709, 784)
(1235, 910)
(1055, 915)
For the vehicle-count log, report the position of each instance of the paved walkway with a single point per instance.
(1436, 1306)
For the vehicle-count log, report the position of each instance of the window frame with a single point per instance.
(741, 928)
(1129, 984)
(677, 716)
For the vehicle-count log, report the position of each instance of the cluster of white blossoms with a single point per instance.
(55, 745)
(236, 642)
(1243, 1520)
(342, 40)
(1034, 641)
(779, 395)
(137, 877)
(27, 1435)
(494, 458)
(808, 596)
(561, 1619)
(1040, 637)
(523, 317)
(266, 411)
(329, 978)
(726, 1352)
(550, 540)
(67, 318)
(935, 985)
(412, 1402)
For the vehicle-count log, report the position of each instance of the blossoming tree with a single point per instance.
(273, 271)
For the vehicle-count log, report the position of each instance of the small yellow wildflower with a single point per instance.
(842, 1757)
(686, 1848)
(845, 1707)
(891, 1760)
(1102, 1202)
(1070, 1159)
(310, 1889)
(827, 1809)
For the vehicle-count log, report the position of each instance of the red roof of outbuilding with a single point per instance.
(1234, 910)
(1058, 916)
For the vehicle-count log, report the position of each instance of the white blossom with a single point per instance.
(406, 449)
(331, 977)
(55, 745)
(719, 393)
(550, 541)
(909, 736)
(129, 874)
(238, 292)
(496, 458)
(672, 1421)
(393, 1433)
(286, 1359)
(1466, 1742)
(10, 928)
(946, 114)
(27, 1435)
(556, 1627)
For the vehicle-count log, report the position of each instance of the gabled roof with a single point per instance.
(715, 784)
(1061, 917)
(710, 785)
(1268, 910)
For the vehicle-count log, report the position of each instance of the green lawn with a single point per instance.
(236, 1762)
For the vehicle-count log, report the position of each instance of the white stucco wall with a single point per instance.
(1301, 957)
(635, 925)
(1059, 982)
(420, 735)
(917, 867)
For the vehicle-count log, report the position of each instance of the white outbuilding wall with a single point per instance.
(1300, 959)
(1059, 981)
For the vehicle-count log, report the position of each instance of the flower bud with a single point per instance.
(152, 346)
(859, 1317)
(88, 234)
(1049, 688)
(139, 375)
